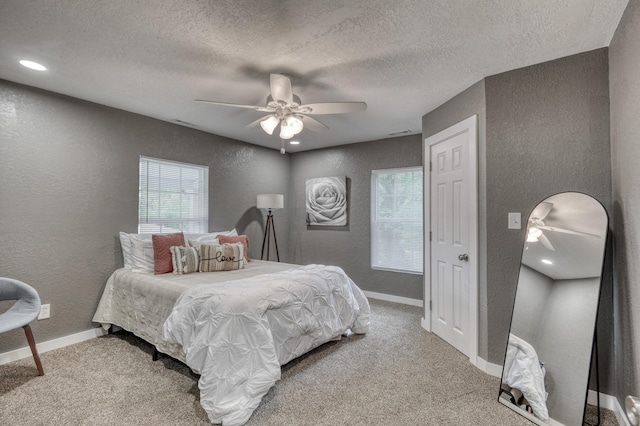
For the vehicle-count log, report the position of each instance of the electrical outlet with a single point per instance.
(45, 311)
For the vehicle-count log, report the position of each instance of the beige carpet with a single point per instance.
(398, 374)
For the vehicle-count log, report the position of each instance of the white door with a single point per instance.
(451, 276)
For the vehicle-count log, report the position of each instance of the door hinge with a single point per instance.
(431, 305)
(429, 235)
(430, 166)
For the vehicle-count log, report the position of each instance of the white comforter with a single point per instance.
(522, 371)
(237, 334)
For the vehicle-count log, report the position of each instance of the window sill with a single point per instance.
(402, 271)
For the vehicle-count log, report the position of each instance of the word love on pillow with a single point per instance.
(224, 257)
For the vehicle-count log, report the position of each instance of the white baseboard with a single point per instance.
(610, 403)
(51, 345)
(494, 370)
(425, 324)
(392, 298)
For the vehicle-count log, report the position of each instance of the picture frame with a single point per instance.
(326, 201)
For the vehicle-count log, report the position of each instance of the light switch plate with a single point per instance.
(515, 221)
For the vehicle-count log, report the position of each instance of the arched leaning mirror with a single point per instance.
(548, 355)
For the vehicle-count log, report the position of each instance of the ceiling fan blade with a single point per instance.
(312, 124)
(332, 107)
(545, 242)
(542, 210)
(253, 107)
(567, 231)
(281, 88)
(257, 122)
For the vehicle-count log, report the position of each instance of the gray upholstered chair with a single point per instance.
(25, 310)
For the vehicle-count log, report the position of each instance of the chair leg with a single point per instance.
(34, 350)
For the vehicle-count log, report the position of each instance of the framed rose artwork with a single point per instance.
(326, 200)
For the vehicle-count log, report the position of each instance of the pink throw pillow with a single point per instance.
(227, 239)
(162, 253)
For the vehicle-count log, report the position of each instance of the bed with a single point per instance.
(236, 328)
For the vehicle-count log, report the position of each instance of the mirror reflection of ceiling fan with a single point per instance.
(286, 109)
(537, 227)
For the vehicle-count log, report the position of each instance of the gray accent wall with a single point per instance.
(547, 132)
(69, 184)
(350, 247)
(624, 80)
(542, 129)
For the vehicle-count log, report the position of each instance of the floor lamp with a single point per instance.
(270, 202)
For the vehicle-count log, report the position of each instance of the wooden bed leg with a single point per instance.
(155, 354)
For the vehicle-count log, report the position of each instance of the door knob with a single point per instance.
(464, 257)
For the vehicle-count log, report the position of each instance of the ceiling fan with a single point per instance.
(286, 110)
(536, 226)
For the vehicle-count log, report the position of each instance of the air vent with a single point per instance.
(400, 132)
(184, 123)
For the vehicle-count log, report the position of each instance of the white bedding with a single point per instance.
(522, 371)
(238, 328)
(141, 302)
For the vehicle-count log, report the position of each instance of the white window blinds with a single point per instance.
(173, 197)
(396, 219)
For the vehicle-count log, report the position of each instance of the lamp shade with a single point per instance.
(270, 201)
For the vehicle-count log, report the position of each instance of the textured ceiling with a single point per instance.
(574, 256)
(402, 57)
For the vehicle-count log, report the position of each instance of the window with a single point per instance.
(396, 220)
(173, 197)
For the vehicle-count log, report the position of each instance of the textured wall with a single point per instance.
(624, 63)
(69, 184)
(542, 129)
(349, 247)
(531, 299)
(547, 132)
(565, 345)
(466, 104)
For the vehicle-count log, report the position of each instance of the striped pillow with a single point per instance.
(185, 260)
(225, 257)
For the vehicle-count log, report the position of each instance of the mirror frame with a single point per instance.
(593, 347)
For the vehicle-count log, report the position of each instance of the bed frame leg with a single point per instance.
(154, 356)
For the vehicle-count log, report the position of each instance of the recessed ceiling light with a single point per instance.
(547, 261)
(295, 142)
(32, 65)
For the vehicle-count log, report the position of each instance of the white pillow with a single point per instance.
(213, 236)
(125, 243)
(197, 243)
(137, 249)
(141, 252)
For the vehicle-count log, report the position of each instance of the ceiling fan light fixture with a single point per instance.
(286, 132)
(533, 234)
(286, 111)
(295, 124)
(269, 124)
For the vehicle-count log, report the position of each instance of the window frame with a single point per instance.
(201, 216)
(375, 197)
